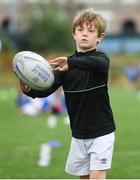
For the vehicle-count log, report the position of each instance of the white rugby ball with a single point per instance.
(33, 70)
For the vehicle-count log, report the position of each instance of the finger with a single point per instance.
(23, 86)
(21, 83)
(60, 58)
(56, 61)
(56, 68)
(54, 65)
(60, 68)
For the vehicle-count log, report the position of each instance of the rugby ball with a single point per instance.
(33, 70)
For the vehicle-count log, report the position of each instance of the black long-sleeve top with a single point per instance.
(86, 94)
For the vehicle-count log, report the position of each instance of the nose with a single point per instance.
(84, 32)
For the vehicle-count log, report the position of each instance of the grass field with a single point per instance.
(21, 137)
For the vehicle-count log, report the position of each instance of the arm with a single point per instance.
(36, 93)
(98, 63)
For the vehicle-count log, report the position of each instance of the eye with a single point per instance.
(79, 28)
(91, 30)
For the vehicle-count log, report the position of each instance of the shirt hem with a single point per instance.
(94, 135)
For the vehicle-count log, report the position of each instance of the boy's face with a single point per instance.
(86, 37)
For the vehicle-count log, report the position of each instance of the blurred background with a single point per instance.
(35, 134)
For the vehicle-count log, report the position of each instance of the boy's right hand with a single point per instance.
(24, 88)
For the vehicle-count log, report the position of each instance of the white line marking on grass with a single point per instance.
(44, 155)
(128, 153)
(52, 121)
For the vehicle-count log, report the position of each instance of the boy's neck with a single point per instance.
(85, 50)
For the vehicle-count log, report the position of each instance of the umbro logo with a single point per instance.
(103, 161)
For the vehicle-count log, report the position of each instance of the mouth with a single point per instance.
(84, 40)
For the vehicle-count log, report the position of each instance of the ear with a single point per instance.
(74, 37)
(100, 37)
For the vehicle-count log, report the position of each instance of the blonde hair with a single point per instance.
(88, 16)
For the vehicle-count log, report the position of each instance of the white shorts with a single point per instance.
(90, 154)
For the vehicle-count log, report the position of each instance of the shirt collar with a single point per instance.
(85, 53)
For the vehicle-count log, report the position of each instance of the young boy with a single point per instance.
(84, 77)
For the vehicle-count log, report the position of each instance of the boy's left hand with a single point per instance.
(59, 64)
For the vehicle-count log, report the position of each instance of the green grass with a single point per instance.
(21, 137)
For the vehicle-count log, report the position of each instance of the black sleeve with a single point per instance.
(98, 62)
(57, 83)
